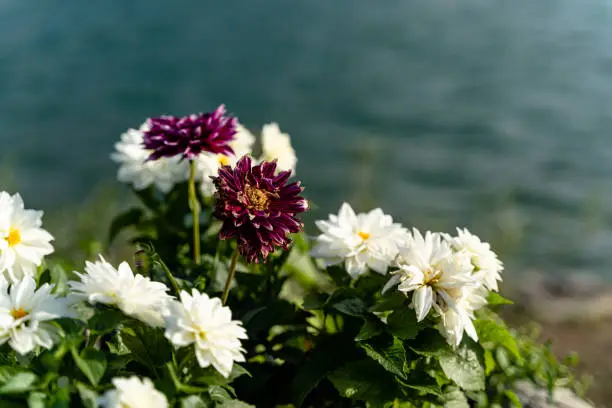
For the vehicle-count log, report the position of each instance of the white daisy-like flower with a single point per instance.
(25, 312)
(361, 241)
(429, 269)
(276, 145)
(134, 168)
(23, 243)
(208, 164)
(208, 325)
(459, 319)
(134, 294)
(133, 392)
(487, 267)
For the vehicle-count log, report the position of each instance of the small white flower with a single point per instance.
(428, 267)
(133, 393)
(24, 311)
(208, 164)
(206, 323)
(487, 267)
(359, 240)
(277, 145)
(459, 319)
(134, 294)
(134, 168)
(23, 243)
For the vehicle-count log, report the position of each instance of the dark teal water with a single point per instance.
(496, 115)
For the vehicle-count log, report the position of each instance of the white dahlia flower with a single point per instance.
(208, 325)
(276, 145)
(23, 243)
(133, 392)
(361, 241)
(25, 312)
(134, 294)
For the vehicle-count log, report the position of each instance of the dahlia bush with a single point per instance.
(228, 303)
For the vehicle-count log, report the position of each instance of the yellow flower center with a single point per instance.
(18, 313)
(363, 235)
(223, 160)
(258, 199)
(432, 276)
(14, 237)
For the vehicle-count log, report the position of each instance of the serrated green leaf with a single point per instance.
(389, 352)
(490, 331)
(352, 307)
(464, 368)
(495, 299)
(402, 323)
(430, 343)
(364, 380)
(234, 404)
(393, 301)
(372, 327)
(91, 362)
(455, 398)
(147, 345)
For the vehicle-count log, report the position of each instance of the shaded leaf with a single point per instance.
(389, 352)
(91, 362)
(464, 368)
(403, 324)
(20, 381)
(126, 219)
(372, 327)
(490, 331)
(364, 380)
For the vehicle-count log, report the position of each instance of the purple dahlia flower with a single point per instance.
(169, 136)
(257, 207)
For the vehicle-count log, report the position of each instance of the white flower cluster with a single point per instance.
(133, 393)
(446, 274)
(196, 319)
(165, 173)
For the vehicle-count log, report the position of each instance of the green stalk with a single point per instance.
(194, 205)
(230, 275)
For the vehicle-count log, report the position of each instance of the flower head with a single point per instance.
(276, 145)
(487, 267)
(208, 164)
(24, 311)
(257, 207)
(170, 136)
(23, 243)
(135, 169)
(458, 319)
(361, 241)
(134, 294)
(208, 325)
(428, 268)
(133, 393)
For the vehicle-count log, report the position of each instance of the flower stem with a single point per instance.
(175, 286)
(230, 275)
(194, 205)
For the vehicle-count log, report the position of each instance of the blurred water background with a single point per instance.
(494, 115)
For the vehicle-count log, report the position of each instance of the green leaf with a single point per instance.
(19, 382)
(514, 399)
(194, 401)
(89, 398)
(494, 299)
(91, 362)
(403, 324)
(490, 331)
(454, 398)
(352, 307)
(234, 404)
(419, 381)
(59, 277)
(128, 218)
(372, 327)
(313, 301)
(148, 345)
(464, 368)
(326, 357)
(389, 352)
(186, 388)
(36, 400)
(489, 362)
(430, 343)
(105, 320)
(364, 380)
(211, 376)
(393, 301)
